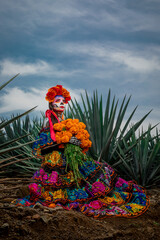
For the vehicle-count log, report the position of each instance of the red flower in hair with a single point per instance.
(67, 99)
(57, 90)
(50, 96)
(53, 89)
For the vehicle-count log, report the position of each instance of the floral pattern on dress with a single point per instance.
(100, 194)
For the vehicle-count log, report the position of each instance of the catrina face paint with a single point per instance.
(59, 104)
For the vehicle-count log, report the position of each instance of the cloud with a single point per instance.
(32, 15)
(137, 61)
(133, 16)
(40, 68)
(65, 16)
(92, 44)
(16, 99)
(10, 67)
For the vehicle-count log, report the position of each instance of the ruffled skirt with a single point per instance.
(100, 192)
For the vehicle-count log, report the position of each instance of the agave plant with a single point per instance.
(142, 162)
(19, 130)
(105, 127)
(9, 145)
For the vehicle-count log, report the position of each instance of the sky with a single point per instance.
(82, 45)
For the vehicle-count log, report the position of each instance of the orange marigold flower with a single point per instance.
(87, 135)
(79, 136)
(73, 130)
(58, 139)
(84, 133)
(69, 124)
(89, 143)
(69, 119)
(58, 126)
(58, 134)
(65, 139)
(69, 134)
(82, 125)
(63, 133)
(75, 121)
(64, 122)
(84, 143)
(72, 127)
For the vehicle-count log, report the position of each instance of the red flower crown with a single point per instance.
(57, 90)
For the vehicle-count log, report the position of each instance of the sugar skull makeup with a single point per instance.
(59, 104)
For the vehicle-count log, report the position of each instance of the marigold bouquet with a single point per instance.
(69, 128)
(75, 156)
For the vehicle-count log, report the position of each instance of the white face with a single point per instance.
(59, 104)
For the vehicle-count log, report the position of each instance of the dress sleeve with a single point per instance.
(42, 141)
(45, 123)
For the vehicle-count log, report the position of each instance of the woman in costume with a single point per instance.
(72, 180)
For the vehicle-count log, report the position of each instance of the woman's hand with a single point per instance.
(75, 141)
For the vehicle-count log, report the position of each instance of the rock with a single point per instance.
(30, 211)
(36, 216)
(57, 208)
(46, 218)
(5, 225)
(20, 208)
(32, 221)
(4, 228)
(38, 205)
(7, 200)
(46, 210)
(5, 205)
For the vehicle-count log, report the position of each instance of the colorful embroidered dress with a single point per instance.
(97, 191)
(101, 193)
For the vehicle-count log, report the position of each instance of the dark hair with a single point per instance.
(50, 106)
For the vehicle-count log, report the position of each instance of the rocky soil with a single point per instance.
(39, 223)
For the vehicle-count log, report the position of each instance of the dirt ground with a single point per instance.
(39, 223)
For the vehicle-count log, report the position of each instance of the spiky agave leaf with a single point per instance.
(142, 161)
(7, 145)
(104, 128)
(22, 148)
(6, 83)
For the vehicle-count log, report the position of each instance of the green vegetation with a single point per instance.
(113, 140)
(134, 157)
(20, 135)
(142, 162)
(14, 142)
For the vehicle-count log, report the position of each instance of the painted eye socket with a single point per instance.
(57, 100)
